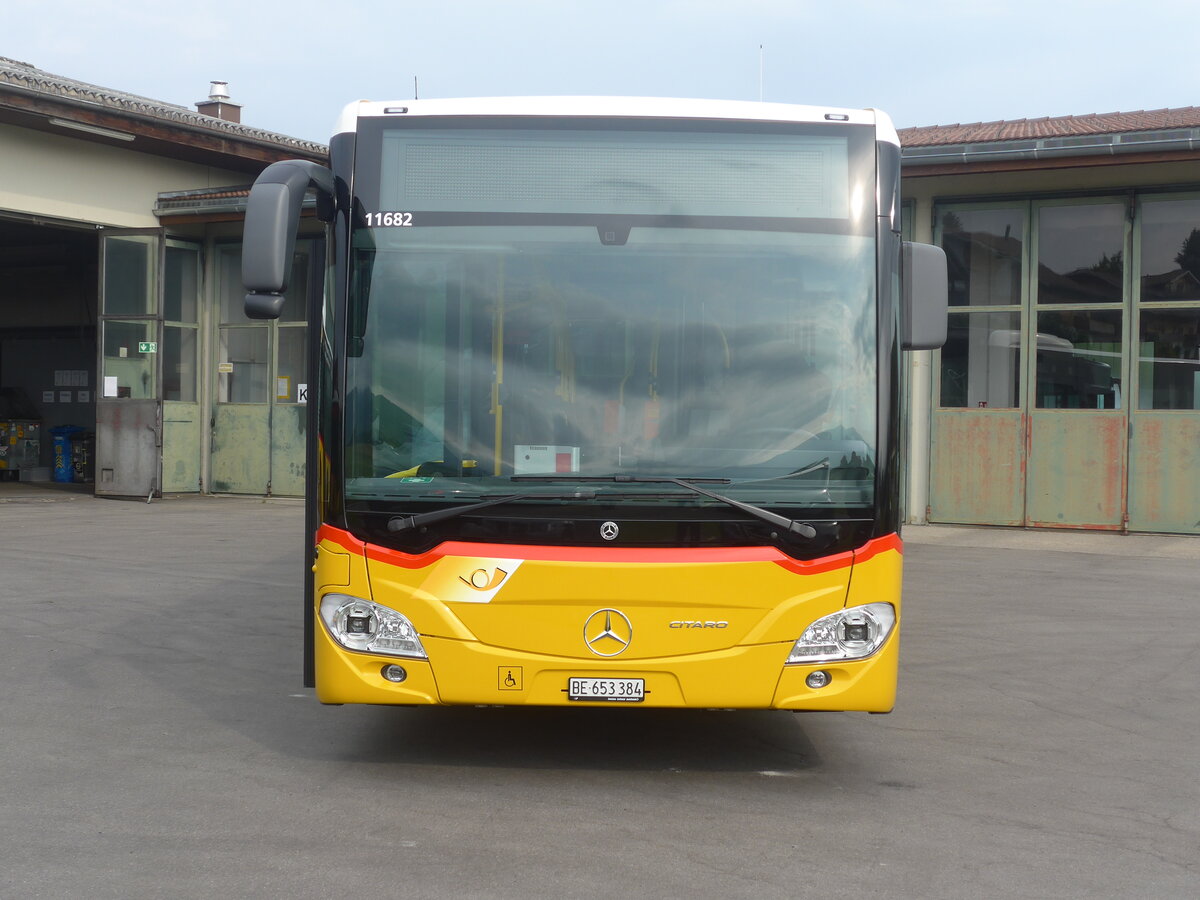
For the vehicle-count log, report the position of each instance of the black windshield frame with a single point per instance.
(367, 147)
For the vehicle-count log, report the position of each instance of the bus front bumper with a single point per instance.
(462, 672)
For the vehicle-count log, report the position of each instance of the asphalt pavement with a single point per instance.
(155, 740)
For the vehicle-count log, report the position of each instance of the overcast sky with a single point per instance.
(294, 64)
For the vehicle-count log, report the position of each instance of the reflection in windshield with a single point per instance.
(489, 352)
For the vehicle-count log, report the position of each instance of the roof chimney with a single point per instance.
(218, 104)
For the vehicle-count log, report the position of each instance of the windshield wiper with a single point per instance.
(403, 523)
(791, 525)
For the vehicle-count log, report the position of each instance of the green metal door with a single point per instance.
(979, 422)
(182, 417)
(129, 399)
(1030, 418)
(1075, 329)
(1069, 387)
(1164, 443)
(260, 391)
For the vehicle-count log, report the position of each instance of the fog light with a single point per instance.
(818, 679)
(394, 673)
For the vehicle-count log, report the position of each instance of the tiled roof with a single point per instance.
(222, 193)
(1060, 126)
(23, 77)
(203, 200)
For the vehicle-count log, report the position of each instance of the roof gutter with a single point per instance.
(200, 207)
(201, 202)
(1174, 140)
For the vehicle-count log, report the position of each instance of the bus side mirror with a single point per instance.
(924, 296)
(269, 232)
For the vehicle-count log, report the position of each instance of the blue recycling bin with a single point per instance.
(64, 469)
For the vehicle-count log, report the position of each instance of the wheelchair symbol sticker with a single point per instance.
(508, 678)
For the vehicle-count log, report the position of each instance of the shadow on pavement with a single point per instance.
(593, 739)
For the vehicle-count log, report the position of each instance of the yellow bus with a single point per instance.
(605, 397)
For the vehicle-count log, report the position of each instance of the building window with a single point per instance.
(1170, 249)
(981, 361)
(181, 329)
(1169, 359)
(1079, 359)
(1081, 253)
(262, 361)
(1080, 266)
(983, 255)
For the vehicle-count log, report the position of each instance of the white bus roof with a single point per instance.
(617, 107)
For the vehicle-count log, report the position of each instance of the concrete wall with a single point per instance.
(76, 179)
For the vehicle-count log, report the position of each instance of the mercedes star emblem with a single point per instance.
(609, 531)
(607, 632)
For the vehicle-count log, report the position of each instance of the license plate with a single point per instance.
(613, 690)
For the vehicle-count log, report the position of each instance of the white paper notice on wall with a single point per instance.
(47, 396)
(70, 378)
(110, 385)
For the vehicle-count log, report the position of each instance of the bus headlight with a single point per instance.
(359, 624)
(853, 633)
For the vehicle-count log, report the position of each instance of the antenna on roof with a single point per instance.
(416, 93)
(760, 73)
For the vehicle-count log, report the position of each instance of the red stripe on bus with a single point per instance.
(343, 539)
(869, 550)
(879, 545)
(816, 566)
(541, 553)
(660, 555)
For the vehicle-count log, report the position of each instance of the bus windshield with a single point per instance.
(566, 303)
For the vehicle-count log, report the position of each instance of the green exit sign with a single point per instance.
(147, 346)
